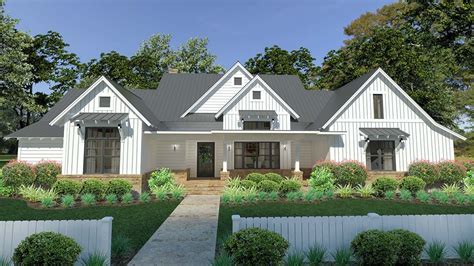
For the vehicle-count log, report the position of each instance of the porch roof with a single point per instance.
(257, 115)
(383, 132)
(99, 117)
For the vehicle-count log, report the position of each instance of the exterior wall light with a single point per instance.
(175, 147)
(119, 126)
(78, 125)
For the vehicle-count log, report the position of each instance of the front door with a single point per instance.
(205, 159)
(381, 155)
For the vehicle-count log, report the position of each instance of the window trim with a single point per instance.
(271, 155)
(104, 107)
(259, 94)
(101, 148)
(376, 107)
(238, 78)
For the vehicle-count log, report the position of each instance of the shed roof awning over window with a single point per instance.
(380, 133)
(257, 115)
(99, 117)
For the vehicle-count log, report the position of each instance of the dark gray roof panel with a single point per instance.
(382, 132)
(99, 116)
(257, 115)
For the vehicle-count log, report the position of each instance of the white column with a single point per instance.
(297, 156)
(225, 157)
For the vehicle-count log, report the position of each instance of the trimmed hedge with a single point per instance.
(17, 173)
(119, 187)
(412, 183)
(255, 177)
(376, 247)
(94, 187)
(255, 246)
(384, 184)
(274, 177)
(411, 247)
(451, 172)
(47, 248)
(46, 173)
(268, 186)
(424, 170)
(289, 185)
(67, 187)
(248, 183)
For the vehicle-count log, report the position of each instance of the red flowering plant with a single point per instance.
(451, 172)
(46, 173)
(351, 172)
(331, 165)
(424, 170)
(18, 173)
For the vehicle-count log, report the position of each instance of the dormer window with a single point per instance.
(378, 106)
(237, 81)
(256, 95)
(104, 102)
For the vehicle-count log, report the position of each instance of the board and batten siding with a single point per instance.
(34, 150)
(267, 102)
(426, 142)
(131, 133)
(223, 94)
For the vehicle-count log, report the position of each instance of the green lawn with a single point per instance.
(336, 207)
(137, 222)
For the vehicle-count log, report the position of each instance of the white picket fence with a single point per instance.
(92, 235)
(334, 232)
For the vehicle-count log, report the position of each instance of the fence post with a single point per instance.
(375, 221)
(107, 222)
(235, 223)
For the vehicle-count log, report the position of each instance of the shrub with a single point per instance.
(469, 165)
(289, 185)
(460, 198)
(47, 202)
(294, 195)
(274, 177)
(36, 194)
(350, 172)
(331, 165)
(342, 256)
(160, 177)
(375, 247)
(273, 196)
(366, 191)
(450, 189)
(384, 184)
(47, 248)
(222, 260)
(94, 187)
(436, 251)
(329, 194)
(111, 198)
(451, 172)
(255, 246)
(250, 194)
(119, 187)
(67, 201)
(405, 195)
(95, 259)
(424, 170)
(121, 247)
(233, 182)
(321, 179)
(469, 179)
(5, 191)
(389, 195)
(412, 184)
(311, 195)
(441, 197)
(295, 258)
(127, 198)
(144, 197)
(67, 187)
(316, 254)
(344, 191)
(267, 186)
(247, 183)
(88, 199)
(16, 174)
(465, 251)
(46, 173)
(423, 196)
(411, 246)
(255, 177)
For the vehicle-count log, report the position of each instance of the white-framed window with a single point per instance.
(104, 101)
(378, 106)
(256, 95)
(238, 81)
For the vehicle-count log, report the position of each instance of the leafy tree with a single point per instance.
(278, 61)
(194, 57)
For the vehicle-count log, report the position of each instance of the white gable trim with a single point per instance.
(213, 87)
(112, 87)
(245, 89)
(399, 89)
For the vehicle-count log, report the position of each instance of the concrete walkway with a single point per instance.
(187, 237)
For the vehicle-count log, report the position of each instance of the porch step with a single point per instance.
(204, 187)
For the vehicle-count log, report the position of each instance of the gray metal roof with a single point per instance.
(99, 116)
(163, 106)
(383, 132)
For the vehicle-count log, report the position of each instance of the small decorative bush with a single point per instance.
(411, 247)
(342, 256)
(67, 187)
(423, 196)
(274, 177)
(331, 165)
(67, 201)
(460, 198)
(127, 198)
(255, 246)
(469, 179)
(451, 172)
(289, 185)
(5, 191)
(405, 195)
(36, 194)
(121, 247)
(144, 197)
(350, 172)
(94, 187)
(247, 183)
(250, 194)
(465, 251)
(295, 258)
(375, 247)
(329, 194)
(95, 259)
(384, 184)
(46, 173)
(436, 251)
(344, 191)
(233, 182)
(17, 173)
(316, 255)
(366, 191)
(111, 198)
(160, 177)
(412, 184)
(450, 190)
(47, 202)
(389, 195)
(440, 197)
(267, 186)
(119, 187)
(88, 199)
(294, 195)
(255, 177)
(47, 248)
(272, 196)
(424, 170)
(262, 196)
(321, 179)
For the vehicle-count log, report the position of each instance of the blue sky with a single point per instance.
(237, 30)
